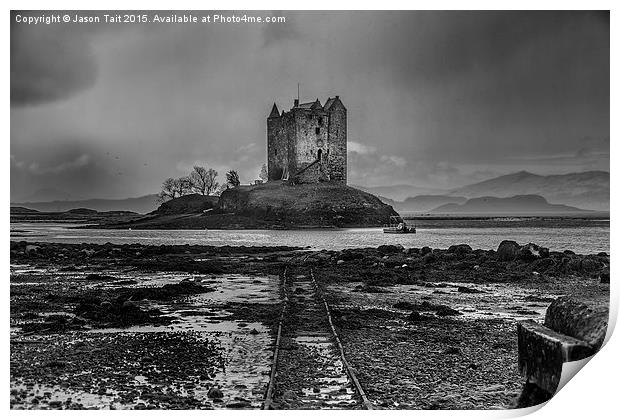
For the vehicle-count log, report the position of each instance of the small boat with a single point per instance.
(398, 225)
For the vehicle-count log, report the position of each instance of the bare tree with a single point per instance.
(203, 180)
(184, 185)
(263, 173)
(232, 178)
(168, 190)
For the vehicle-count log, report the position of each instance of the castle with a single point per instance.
(308, 144)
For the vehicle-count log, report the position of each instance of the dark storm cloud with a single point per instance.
(49, 63)
(437, 99)
(438, 45)
(274, 33)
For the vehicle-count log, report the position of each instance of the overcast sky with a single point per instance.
(434, 99)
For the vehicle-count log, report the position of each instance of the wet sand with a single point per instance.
(143, 327)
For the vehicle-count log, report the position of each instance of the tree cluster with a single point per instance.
(200, 181)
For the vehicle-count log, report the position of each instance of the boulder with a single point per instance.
(507, 251)
(531, 252)
(390, 249)
(426, 250)
(590, 265)
(461, 249)
(214, 393)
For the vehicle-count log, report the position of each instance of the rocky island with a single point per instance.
(272, 205)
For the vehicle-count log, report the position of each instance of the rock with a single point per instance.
(507, 250)
(401, 304)
(425, 250)
(416, 316)
(493, 388)
(348, 255)
(604, 277)
(390, 249)
(253, 331)
(129, 305)
(531, 252)
(214, 393)
(289, 396)
(429, 258)
(543, 264)
(32, 248)
(574, 264)
(590, 265)
(447, 312)
(461, 249)
(340, 262)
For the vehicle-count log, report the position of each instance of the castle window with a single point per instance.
(317, 131)
(320, 120)
(275, 152)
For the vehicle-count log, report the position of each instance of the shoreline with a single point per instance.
(450, 313)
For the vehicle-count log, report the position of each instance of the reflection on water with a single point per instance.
(245, 348)
(581, 236)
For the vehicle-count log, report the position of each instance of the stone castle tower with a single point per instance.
(308, 144)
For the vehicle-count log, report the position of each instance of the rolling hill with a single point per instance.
(144, 204)
(587, 190)
(517, 205)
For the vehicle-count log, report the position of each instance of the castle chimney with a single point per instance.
(296, 102)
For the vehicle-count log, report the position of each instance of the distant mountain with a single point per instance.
(517, 205)
(587, 190)
(399, 192)
(141, 205)
(423, 203)
(22, 210)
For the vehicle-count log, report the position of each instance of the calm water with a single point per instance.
(583, 236)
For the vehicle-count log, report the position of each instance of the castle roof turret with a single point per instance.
(330, 102)
(274, 111)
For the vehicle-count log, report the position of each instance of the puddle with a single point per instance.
(246, 347)
(496, 300)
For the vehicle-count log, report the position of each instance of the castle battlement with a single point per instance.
(308, 143)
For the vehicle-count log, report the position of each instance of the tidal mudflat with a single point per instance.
(143, 327)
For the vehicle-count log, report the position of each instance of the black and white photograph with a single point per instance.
(306, 209)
